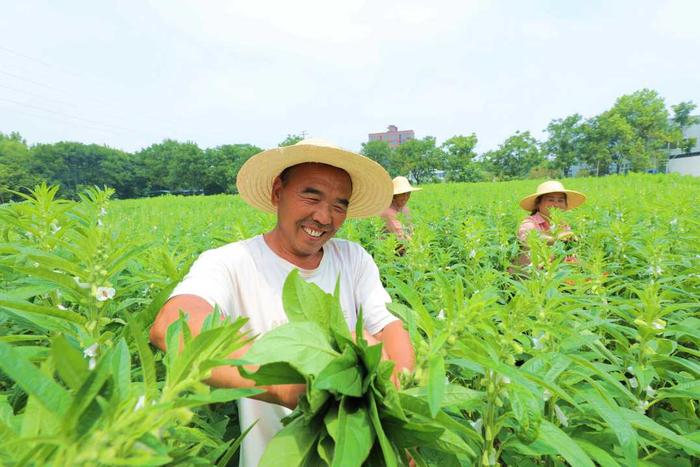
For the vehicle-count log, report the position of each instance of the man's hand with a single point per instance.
(397, 348)
(286, 395)
(225, 376)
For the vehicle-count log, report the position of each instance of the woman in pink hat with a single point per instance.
(550, 194)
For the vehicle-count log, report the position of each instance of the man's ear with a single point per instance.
(276, 189)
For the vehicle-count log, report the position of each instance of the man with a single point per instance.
(313, 187)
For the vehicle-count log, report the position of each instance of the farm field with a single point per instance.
(592, 363)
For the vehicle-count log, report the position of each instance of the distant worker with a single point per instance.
(397, 216)
(550, 194)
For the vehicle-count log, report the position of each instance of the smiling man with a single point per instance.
(313, 187)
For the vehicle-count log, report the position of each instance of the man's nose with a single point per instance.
(322, 214)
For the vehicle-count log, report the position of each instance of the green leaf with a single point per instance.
(291, 445)
(305, 301)
(86, 394)
(233, 448)
(642, 422)
(69, 361)
(303, 345)
(342, 375)
(690, 390)
(420, 407)
(148, 369)
(455, 396)
(554, 438)
(436, 383)
(527, 410)
(388, 453)
(274, 373)
(51, 395)
(354, 436)
(600, 456)
(217, 396)
(424, 320)
(326, 448)
(121, 369)
(22, 307)
(419, 432)
(609, 411)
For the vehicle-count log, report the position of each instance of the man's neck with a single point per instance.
(274, 241)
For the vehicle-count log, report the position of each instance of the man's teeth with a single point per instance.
(312, 232)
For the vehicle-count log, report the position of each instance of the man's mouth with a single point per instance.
(313, 232)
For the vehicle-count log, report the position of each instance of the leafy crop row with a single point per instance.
(588, 363)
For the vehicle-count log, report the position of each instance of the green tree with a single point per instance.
(74, 166)
(645, 111)
(609, 138)
(172, 165)
(15, 171)
(417, 159)
(459, 159)
(565, 145)
(682, 119)
(515, 157)
(378, 151)
(290, 140)
(223, 164)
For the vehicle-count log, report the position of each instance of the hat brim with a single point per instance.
(407, 190)
(573, 199)
(372, 189)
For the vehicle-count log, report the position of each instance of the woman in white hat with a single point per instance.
(549, 195)
(399, 208)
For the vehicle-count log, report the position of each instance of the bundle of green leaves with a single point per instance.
(351, 413)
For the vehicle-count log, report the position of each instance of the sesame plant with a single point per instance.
(351, 413)
(79, 384)
(586, 362)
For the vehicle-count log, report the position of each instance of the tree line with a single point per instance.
(634, 134)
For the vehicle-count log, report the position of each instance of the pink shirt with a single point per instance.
(393, 224)
(540, 224)
(533, 222)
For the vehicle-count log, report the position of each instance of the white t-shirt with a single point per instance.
(246, 278)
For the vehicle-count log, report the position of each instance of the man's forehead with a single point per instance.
(309, 168)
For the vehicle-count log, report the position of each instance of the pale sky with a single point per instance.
(132, 73)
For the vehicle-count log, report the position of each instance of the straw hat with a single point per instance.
(401, 185)
(371, 185)
(573, 198)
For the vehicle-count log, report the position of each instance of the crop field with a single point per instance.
(589, 363)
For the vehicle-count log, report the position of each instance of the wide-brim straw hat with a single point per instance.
(573, 198)
(402, 185)
(371, 185)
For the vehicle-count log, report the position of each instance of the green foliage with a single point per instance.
(459, 159)
(79, 384)
(594, 361)
(291, 140)
(351, 413)
(416, 158)
(565, 145)
(378, 151)
(515, 157)
(682, 119)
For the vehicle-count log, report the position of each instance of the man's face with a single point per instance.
(311, 206)
(552, 200)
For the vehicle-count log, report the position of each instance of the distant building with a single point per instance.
(687, 163)
(394, 137)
